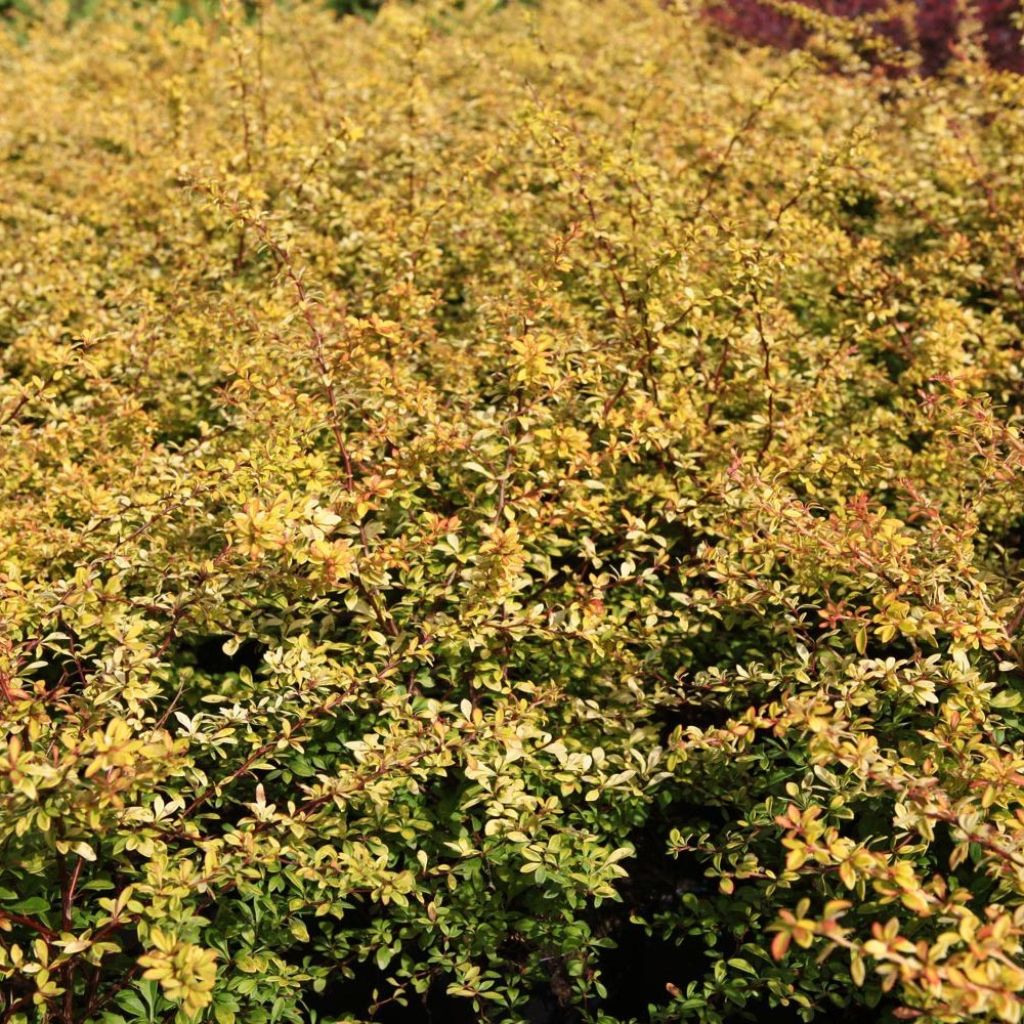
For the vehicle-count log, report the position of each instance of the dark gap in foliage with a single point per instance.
(544, 1007)
(895, 364)
(646, 959)
(983, 297)
(175, 437)
(761, 1012)
(917, 440)
(862, 206)
(1012, 541)
(207, 654)
(702, 715)
(60, 669)
(353, 996)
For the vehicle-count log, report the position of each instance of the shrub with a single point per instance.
(929, 32)
(488, 493)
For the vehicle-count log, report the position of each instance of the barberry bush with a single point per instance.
(507, 515)
(926, 34)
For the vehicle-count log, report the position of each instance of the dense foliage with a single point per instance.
(926, 33)
(486, 493)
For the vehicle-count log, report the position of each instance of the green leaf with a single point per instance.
(32, 905)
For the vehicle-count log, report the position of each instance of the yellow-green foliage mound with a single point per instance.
(506, 515)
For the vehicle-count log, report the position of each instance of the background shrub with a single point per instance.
(506, 515)
(932, 32)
